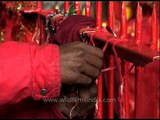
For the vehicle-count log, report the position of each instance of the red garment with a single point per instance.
(35, 68)
(26, 69)
(26, 80)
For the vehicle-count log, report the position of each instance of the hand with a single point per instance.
(79, 105)
(80, 63)
(87, 100)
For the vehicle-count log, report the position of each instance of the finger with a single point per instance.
(83, 79)
(93, 60)
(93, 90)
(89, 91)
(84, 92)
(90, 70)
(93, 50)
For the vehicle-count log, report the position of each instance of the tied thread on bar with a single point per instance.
(114, 41)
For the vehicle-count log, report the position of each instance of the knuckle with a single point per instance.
(101, 53)
(84, 79)
(80, 52)
(79, 65)
(97, 73)
(77, 78)
(74, 78)
(89, 80)
(95, 91)
(81, 44)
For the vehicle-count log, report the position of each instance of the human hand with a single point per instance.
(80, 63)
(86, 103)
(79, 104)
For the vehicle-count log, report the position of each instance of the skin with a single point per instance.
(80, 65)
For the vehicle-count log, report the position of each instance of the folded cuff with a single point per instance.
(46, 72)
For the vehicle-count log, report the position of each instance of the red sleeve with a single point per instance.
(28, 71)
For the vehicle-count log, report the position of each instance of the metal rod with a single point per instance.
(154, 29)
(124, 62)
(77, 7)
(66, 6)
(98, 15)
(100, 97)
(88, 9)
(111, 64)
(138, 69)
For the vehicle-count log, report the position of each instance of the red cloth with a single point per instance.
(29, 68)
(69, 29)
(25, 69)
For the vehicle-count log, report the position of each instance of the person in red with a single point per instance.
(31, 73)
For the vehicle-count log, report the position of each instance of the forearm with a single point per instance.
(26, 69)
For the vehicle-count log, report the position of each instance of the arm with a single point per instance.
(26, 69)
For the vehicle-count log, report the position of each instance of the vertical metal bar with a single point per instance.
(111, 88)
(158, 13)
(154, 30)
(124, 62)
(88, 9)
(123, 21)
(138, 26)
(77, 7)
(138, 69)
(111, 64)
(100, 98)
(39, 5)
(32, 3)
(66, 6)
(100, 80)
(110, 14)
(154, 40)
(98, 15)
(126, 94)
(138, 90)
